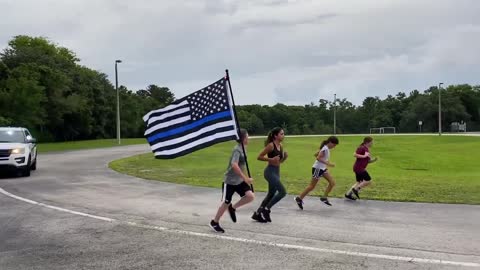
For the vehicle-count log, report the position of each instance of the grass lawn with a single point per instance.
(90, 144)
(410, 168)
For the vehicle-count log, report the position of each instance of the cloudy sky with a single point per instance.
(288, 51)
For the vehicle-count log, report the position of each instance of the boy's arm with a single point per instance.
(239, 171)
(236, 168)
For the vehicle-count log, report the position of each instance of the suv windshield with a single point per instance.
(11, 136)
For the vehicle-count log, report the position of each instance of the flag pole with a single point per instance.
(238, 125)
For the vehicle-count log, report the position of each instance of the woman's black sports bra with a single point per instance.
(275, 152)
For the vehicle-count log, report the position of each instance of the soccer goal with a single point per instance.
(376, 130)
(382, 130)
(389, 130)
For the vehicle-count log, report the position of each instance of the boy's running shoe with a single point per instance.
(216, 226)
(231, 211)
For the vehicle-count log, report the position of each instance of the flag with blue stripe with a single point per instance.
(191, 123)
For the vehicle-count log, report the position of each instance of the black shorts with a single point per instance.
(317, 173)
(362, 176)
(228, 190)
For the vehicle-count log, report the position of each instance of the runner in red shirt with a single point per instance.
(360, 168)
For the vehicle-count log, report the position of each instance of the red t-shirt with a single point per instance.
(361, 163)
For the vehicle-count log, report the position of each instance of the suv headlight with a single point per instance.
(18, 151)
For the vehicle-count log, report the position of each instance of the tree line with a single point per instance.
(44, 87)
(460, 103)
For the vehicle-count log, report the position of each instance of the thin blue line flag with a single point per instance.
(196, 121)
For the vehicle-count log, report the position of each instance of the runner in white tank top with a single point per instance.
(322, 163)
(319, 169)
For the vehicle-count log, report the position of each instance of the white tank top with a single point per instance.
(326, 156)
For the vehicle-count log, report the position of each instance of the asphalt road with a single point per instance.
(75, 213)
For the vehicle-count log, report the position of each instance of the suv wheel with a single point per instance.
(34, 165)
(26, 170)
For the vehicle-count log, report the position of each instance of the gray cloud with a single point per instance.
(220, 7)
(281, 23)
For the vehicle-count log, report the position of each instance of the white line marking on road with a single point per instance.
(242, 240)
(54, 207)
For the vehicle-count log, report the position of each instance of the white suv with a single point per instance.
(18, 150)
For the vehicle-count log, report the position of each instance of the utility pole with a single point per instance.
(440, 109)
(334, 114)
(118, 100)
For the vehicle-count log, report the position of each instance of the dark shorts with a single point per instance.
(228, 190)
(362, 176)
(317, 173)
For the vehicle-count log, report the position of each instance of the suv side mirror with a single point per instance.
(30, 139)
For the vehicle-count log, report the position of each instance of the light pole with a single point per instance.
(440, 109)
(118, 100)
(334, 114)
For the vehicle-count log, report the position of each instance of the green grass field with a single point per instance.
(410, 168)
(90, 144)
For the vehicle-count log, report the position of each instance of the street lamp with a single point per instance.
(440, 109)
(334, 114)
(118, 100)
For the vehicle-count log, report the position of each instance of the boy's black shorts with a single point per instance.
(228, 191)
